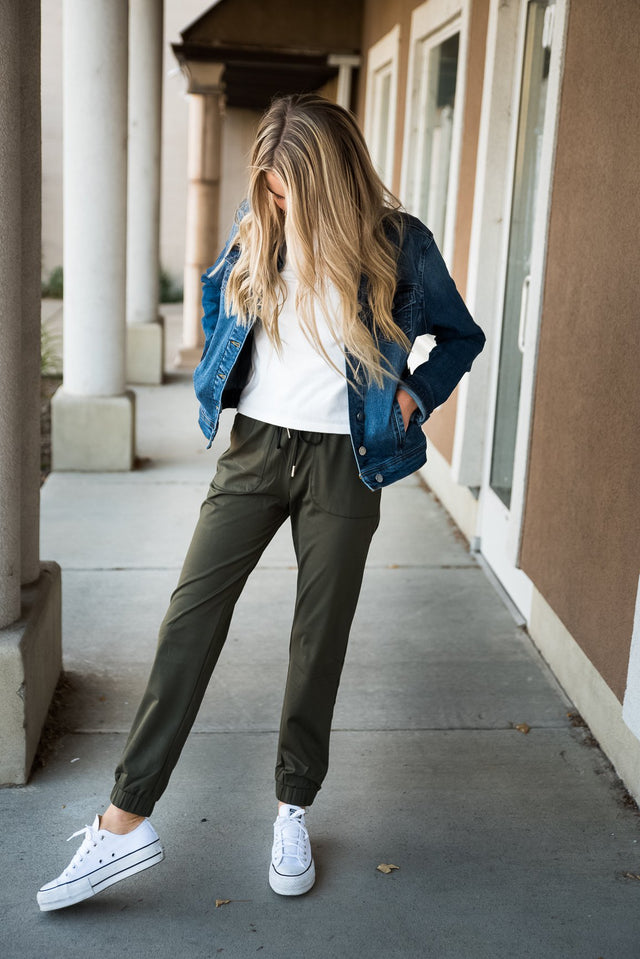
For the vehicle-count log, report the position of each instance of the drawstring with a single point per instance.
(314, 440)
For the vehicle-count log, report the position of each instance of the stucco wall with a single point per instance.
(581, 542)
(323, 24)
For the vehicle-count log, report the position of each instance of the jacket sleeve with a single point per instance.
(211, 279)
(458, 338)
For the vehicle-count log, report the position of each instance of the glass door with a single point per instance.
(502, 495)
(533, 105)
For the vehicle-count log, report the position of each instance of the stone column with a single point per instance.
(30, 617)
(145, 340)
(31, 191)
(92, 415)
(205, 128)
(10, 313)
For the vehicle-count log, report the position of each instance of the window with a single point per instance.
(433, 123)
(380, 112)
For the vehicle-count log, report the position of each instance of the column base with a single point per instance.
(30, 664)
(145, 353)
(188, 357)
(92, 433)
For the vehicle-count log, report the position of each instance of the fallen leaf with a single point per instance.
(222, 902)
(386, 867)
(523, 728)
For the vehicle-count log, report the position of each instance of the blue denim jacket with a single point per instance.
(426, 301)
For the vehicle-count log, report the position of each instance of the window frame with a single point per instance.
(382, 60)
(432, 23)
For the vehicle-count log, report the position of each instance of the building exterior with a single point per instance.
(508, 126)
(511, 128)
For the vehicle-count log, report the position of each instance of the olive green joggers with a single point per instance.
(267, 474)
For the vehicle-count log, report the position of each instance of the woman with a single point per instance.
(309, 314)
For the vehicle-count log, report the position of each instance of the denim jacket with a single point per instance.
(426, 301)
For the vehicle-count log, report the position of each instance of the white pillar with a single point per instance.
(345, 64)
(203, 202)
(92, 415)
(10, 312)
(145, 345)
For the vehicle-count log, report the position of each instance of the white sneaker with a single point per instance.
(102, 859)
(292, 870)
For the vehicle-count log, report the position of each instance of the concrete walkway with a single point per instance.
(508, 844)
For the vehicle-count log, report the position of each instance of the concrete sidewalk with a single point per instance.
(507, 844)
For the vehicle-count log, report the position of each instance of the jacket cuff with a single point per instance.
(422, 394)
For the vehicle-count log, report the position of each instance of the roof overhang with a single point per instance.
(251, 76)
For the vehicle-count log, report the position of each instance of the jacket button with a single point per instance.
(360, 415)
(379, 477)
(362, 450)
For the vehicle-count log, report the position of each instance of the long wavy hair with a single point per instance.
(341, 225)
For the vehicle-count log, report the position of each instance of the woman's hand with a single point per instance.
(407, 406)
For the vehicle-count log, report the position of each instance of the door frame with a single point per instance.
(501, 528)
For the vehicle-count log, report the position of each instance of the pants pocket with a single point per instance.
(336, 487)
(241, 468)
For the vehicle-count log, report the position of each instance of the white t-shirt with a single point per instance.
(297, 388)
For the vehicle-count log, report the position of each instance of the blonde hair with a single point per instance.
(334, 230)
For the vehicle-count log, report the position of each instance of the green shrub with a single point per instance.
(54, 286)
(169, 290)
(50, 360)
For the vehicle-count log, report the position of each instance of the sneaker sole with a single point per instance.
(85, 888)
(292, 885)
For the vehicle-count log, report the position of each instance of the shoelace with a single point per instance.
(292, 845)
(90, 842)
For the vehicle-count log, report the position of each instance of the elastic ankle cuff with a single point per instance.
(295, 795)
(136, 805)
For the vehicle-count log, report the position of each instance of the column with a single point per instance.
(30, 600)
(31, 190)
(10, 313)
(205, 127)
(345, 63)
(145, 339)
(92, 415)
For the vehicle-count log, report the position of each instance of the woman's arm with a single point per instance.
(458, 338)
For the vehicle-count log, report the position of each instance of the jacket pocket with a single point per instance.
(398, 422)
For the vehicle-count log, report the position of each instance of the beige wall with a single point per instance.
(380, 16)
(285, 23)
(581, 543)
